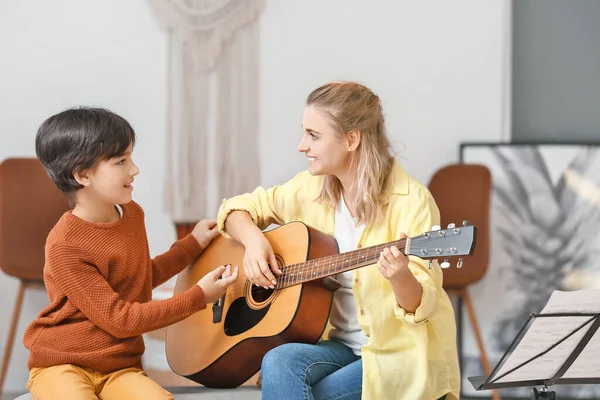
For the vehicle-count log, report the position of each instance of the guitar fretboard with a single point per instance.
(318, 268)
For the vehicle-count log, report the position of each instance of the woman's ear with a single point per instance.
(82, 177)
(353, 138)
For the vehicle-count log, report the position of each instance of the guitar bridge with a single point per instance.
(217, 309)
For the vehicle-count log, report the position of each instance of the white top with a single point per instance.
(344, 318)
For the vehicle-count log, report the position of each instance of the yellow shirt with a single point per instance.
(410, 356)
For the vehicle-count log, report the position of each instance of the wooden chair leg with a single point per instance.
(11, 335)
(475, 326)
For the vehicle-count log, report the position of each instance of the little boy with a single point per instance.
(87, 344)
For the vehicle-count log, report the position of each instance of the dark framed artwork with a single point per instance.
(544, 236)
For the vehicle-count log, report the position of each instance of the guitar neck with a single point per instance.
(296, 274)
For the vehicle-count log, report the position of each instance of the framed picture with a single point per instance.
(544, 236)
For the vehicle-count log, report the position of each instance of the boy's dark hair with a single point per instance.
(78, 138)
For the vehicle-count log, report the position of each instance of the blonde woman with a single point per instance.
(393, 333)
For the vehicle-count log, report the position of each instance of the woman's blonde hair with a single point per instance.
(351, 106)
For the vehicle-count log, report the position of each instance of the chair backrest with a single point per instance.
(30, 205)
(462, 192)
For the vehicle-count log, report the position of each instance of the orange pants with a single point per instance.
(75, 383)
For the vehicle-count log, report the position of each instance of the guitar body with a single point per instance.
(223, 345)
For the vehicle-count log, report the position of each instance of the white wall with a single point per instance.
(437, 66)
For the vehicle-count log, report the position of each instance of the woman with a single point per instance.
(393, 333)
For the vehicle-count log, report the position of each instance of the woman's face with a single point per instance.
(326, 152)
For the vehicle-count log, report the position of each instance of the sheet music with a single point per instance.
(587, 364)
(545, 332)
(577, 301)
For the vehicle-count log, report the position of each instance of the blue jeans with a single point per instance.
(324, 371)
(328, 370)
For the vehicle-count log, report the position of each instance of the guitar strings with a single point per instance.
(239, 287)
(371, 253)
(287, 278)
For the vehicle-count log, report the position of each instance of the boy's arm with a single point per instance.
(73, 271)
(170, 263)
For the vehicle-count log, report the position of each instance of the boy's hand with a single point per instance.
(213, 287)
(205, 231)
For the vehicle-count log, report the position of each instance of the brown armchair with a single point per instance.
(463, 192)
(30, 205)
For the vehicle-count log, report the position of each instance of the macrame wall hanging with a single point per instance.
(213, 76)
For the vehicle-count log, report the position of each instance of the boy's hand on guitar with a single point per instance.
(260, 262)
(213, 287)
(392, 263)
(205, 231)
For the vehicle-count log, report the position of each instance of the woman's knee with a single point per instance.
(282, 356)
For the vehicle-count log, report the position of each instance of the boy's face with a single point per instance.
(111, 180)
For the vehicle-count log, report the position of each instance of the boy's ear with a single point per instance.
(353, 138)
(82, 177)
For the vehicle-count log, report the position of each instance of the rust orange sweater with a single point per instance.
(99, 279)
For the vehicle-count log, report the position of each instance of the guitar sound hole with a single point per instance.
(260, 294)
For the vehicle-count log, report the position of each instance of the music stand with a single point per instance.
(552, 348)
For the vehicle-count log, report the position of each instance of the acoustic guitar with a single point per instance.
(223, 345)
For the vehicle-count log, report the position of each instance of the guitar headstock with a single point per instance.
(455, 241)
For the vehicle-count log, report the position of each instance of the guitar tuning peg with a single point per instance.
(451, 225)
(466, 223)
(445, 264)
(460, 262)
(436, 228)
